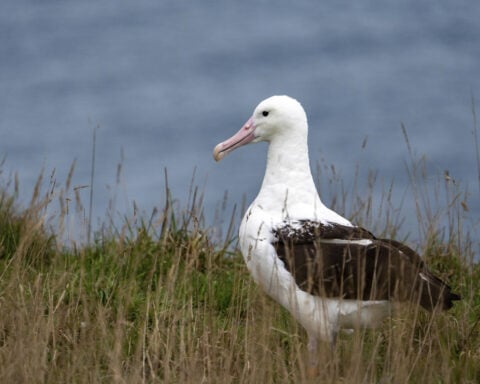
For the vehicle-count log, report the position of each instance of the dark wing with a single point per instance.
(350, 263)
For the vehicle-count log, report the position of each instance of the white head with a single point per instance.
(278, 117)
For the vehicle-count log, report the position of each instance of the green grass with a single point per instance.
(158, 302)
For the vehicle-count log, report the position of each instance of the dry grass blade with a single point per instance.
(159, 302)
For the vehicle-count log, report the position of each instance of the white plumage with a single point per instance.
(289, 213)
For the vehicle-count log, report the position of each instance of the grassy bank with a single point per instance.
(158, 302)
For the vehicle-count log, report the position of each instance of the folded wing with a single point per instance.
(337, 261)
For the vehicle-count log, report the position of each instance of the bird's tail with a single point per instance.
(435, 293)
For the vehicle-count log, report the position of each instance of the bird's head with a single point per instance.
(274, 118)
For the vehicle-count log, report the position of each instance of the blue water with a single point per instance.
(166, 81)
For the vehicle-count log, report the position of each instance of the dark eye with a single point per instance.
(265, 113)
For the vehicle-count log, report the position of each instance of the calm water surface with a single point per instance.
(165, 81)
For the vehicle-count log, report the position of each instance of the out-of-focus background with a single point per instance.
(162, 82)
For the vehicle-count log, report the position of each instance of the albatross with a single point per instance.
(327, 272)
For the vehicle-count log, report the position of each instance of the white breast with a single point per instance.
(320, 316)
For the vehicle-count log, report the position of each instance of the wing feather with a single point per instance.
(332, 260)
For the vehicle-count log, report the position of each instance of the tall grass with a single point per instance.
(156, 301)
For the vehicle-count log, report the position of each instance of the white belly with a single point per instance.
(321, 317)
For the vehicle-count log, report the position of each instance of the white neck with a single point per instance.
(288, 180)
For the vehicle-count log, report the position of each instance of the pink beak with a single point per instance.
(244, 136)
